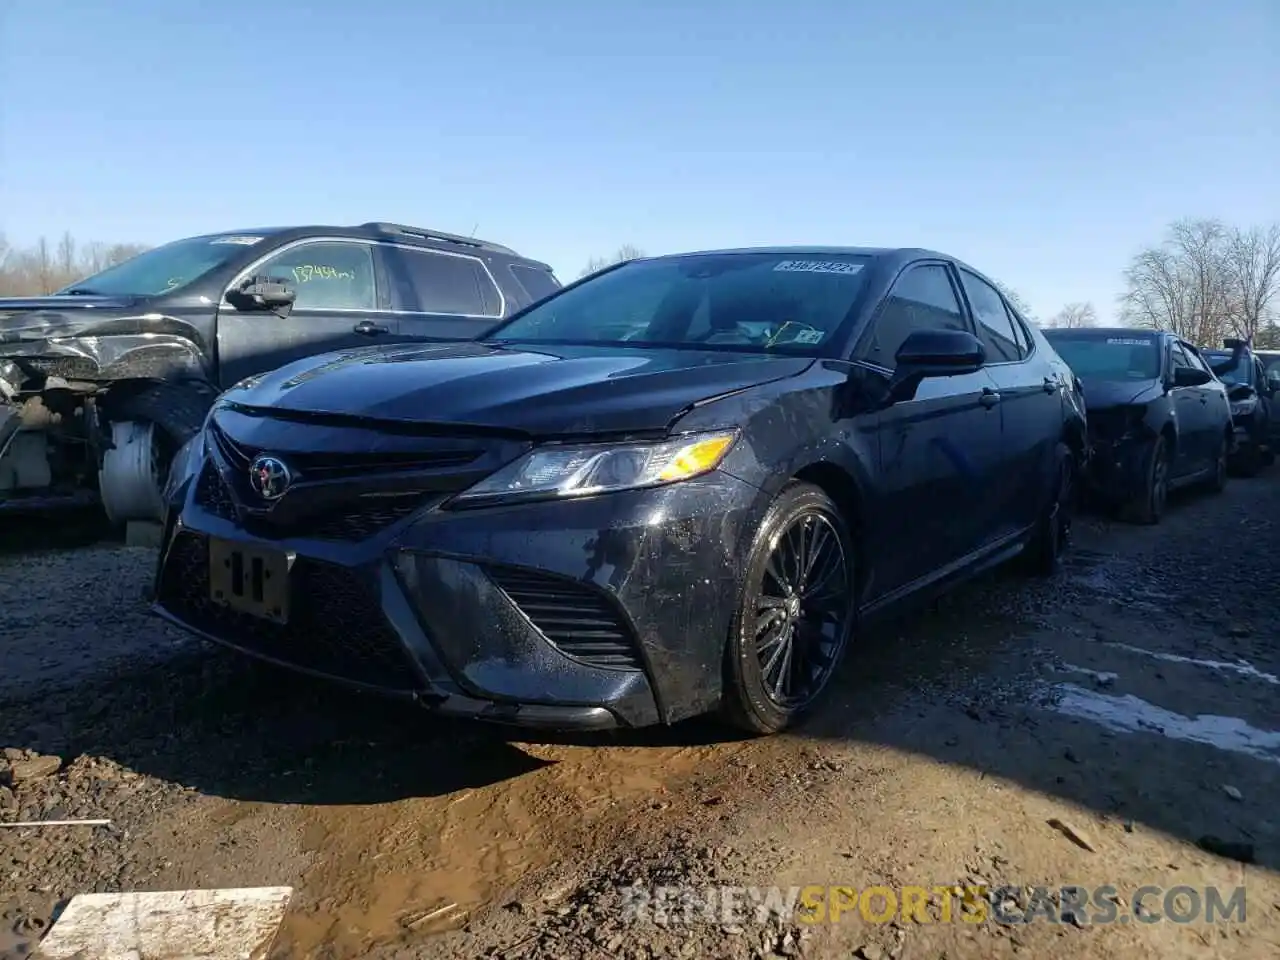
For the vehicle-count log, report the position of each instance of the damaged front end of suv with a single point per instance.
(95, 396)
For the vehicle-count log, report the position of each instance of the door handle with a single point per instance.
(367, 328)
(989, 397)
(1050, 386)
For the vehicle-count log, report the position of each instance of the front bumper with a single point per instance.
(1117, 468)
(605, 611)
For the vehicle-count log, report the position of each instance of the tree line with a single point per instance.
(1205, 281)
(44, 267)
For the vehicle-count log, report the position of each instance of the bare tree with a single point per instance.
(1253, 267)
(1184, 284)
(627, 251)
(43, 268)
(1074, 316)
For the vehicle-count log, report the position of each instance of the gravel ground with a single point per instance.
(1131, 701)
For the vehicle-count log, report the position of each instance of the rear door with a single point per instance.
(1030, 408)
(341, 303)
(938, 452)
(441, 295)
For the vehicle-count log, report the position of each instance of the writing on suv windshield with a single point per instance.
(165, 268)
(1119, 357)
(746, 301)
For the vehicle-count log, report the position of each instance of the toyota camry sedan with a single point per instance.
(675, 487)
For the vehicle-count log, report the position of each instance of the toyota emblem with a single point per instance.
(269, 477)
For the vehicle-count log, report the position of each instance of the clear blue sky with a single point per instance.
(1043, 142)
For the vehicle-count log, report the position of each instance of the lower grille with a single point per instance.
(212, 494)
(580, 621)
(335, 627)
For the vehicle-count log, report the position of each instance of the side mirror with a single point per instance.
(263, 294)
(1273, 381)
(1190, 377)
(934, 353)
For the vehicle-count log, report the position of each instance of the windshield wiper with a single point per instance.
(80, 292)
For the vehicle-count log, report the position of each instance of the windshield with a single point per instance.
(163, 268)
(789, 303)
(1119, 357)
(1220, 363)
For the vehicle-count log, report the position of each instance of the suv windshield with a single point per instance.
(788, 303)
(1220, 363)
(163, 268)
(1109, 356)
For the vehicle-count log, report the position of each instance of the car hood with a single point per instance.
(37, 318)
(535, 391)
(1100, 394)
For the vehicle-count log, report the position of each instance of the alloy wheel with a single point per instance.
(802, 610)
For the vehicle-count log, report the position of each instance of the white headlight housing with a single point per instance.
(557, 471)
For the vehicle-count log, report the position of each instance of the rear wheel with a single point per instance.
(796, 612)
(1148, 506)
(1053, 533)
(1217, 481)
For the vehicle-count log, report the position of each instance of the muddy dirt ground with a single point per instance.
(1133, 700)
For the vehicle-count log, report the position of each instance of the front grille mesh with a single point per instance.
(578, 620)
(335, 625)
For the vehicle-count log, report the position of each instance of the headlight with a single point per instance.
(556, 471)
(1242, 408)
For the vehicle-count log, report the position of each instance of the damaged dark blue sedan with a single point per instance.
(675, 487)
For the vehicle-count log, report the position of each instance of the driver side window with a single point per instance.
(923, 298)
(329, 275)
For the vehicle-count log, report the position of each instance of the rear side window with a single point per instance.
(428, 281)
(537, 283)
(921, 299)
(995, 326)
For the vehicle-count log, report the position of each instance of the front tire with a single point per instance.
(133, 472)
(796, 611)
(1148, 507)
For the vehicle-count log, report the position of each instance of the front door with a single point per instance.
(938, 452)
(341, 303)
(1191, 409)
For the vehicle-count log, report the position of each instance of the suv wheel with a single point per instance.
(795, 615)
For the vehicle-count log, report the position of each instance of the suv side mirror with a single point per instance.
(934, 353)
(1190, 377)
(262, 294)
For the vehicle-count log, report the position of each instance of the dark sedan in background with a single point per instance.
(1158, 417)
(670, 488)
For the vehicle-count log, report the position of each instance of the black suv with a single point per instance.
(101, 383)
(1158, 417)
(1253, 404)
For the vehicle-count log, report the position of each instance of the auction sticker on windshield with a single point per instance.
(240, 241)
(818, 266)
(1129, 342)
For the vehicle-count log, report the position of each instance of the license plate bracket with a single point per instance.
(250, 579)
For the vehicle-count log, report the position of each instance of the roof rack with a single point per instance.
(424, 233)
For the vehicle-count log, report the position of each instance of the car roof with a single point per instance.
(1103, 331)
(382, 230)
(903, 253)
